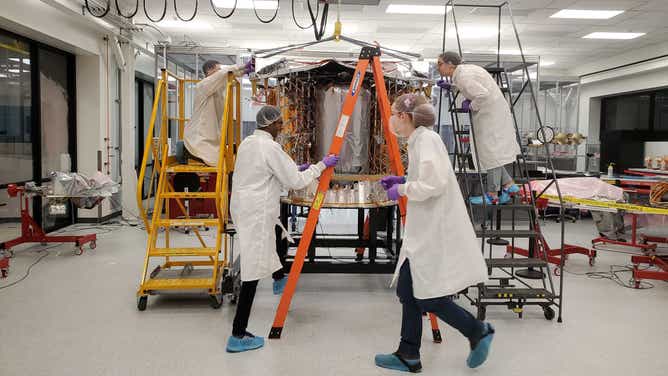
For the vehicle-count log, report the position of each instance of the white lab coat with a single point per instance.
(495, 136)
(262, 170)
(201, 135)
(439, 239)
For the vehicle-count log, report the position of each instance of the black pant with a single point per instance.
(248, 289)
(444, 308)
(244, 305)
(282, 250)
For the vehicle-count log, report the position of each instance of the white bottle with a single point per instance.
(611, 171)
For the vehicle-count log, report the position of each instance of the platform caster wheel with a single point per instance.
(233, 300)
(4, 273)
(592, 260)
(43, 244)
(637, 284)
(79, 251)
(557, 272)
(508, 255)
(482, 313)
(216, 301)
(549, 313)
(141, 303)
(93, 244)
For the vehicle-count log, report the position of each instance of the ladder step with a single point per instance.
(191, 168)
(511, 292)
(506, 233)
(183, 252)
(498, 241)
(517, 262)
(510, 207)
(189, 194)
(495, 70)
(460, 111)
(192, 222)
(179, 284)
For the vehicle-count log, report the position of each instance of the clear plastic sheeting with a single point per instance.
(583, 188)
(85, 192)
(355, 150)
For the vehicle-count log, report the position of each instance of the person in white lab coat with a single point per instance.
(261, 172)
(201, 136)
(494, 130)
(440, 254)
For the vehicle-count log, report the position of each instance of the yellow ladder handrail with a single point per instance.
(148, 146)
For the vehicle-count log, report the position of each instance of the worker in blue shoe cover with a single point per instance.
(494, 131)
(261, 172)
(201, 136)
(440, 254)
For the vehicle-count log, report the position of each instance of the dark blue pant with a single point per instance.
(444, 308)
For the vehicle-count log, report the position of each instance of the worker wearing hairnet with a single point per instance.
(440, 255)
(201, 135)
(261, 171)
(494, 131)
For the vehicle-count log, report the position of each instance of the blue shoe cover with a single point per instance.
(480, 352)
(513, 189)
(279, 285)
(395, 362)
(246, 343)
(477, 200)
(504, 198)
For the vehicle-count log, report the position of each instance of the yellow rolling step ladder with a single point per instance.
(203, 267)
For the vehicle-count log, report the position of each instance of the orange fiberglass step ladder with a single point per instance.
(369, 55)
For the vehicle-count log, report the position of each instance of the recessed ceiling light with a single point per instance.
(192, 25)
(247, 4)
(587, 14)
(3, 75)
(14, 70)
(605, 35)
(546, 63)
(416, 9)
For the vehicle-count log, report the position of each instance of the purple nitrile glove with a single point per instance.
(466, 105)
(443, 84)
(304, 167)
(250, 66)
(388, 181)
(393, 193)
(331, 160)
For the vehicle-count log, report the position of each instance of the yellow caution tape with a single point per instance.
(609, 204)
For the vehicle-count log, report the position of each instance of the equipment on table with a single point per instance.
(645, 244)
(199, 268)
(368, 56)
(658, 195)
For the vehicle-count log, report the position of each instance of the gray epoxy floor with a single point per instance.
(76, 315)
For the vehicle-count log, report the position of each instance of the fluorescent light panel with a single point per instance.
(247, 4)
(546, 63)
(605, 35)
(416, 9)
(587, 14)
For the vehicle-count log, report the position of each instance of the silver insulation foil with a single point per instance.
(355, 150)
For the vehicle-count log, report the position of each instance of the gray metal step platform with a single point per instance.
(506, 233)
(517, 262)
(516, 293)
